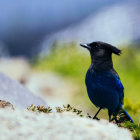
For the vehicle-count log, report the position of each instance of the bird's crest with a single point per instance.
(115, 50)
(111, 48)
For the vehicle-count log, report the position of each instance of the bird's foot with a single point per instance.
(96, 118)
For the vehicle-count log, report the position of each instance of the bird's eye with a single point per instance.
(96, 47)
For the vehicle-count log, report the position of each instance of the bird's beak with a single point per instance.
(85, 46)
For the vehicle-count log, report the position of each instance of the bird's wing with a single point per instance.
(119, 87)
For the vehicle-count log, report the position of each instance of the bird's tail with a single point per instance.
(127, 116)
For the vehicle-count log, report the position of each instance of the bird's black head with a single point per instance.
(101, 53)
(100, 49)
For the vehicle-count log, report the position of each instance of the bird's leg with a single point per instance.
(97, 113)
(109, 114)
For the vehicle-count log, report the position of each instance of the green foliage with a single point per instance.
(127, 65)
(134, 108)
(66, 60)
(65, 108)
(39, 109)
(135, 128)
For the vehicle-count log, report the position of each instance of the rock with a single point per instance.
(35, 126)
(16, 68)
(5, 104)
(16, 94)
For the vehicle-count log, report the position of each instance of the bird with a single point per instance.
(103, 84)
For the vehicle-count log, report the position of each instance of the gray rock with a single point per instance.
(16, 94)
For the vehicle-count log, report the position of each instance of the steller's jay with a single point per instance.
(104, 87)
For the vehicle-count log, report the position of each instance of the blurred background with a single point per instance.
(39, 47)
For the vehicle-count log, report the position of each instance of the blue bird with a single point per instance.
(103, 84)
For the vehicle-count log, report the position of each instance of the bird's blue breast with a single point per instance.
(104, 89)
